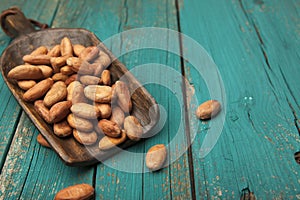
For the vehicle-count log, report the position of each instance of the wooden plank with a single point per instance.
(34, 172)
(258, 140)
(280, 47)
(172, 181)
(9, 110)
(31, 171)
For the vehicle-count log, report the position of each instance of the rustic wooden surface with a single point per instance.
(255, 45)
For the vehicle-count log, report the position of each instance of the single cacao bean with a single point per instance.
(59, 111)
(38, 90)
(25, 72)
(109, 128)
(124, 97)
(105, 77)
(37, 59)
(77, 49)
(117, 116)
(85, 138)
(156, 157)
(134, 129)
(98, 93)
(66, 70)
(89, 80)
(85, 111)
(60, 77)
(26, 84)
(55, 51)
(66, 48)
(76, 192)
(42, 110)
(46, 70)
(58, 92)
(79, 123)
(62, 129)
(208, 109)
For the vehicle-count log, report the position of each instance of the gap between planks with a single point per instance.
(296, 119)
(10, 141)
(186, 111)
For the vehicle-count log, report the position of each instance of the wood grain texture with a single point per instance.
(256, 146)
(255, 45)
(10, 109)
(280, 47)
(35, 172)
(31, 171)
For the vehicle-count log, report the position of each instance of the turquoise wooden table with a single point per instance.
(255, 45)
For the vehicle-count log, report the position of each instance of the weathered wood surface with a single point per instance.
(257, 145)
(255, 45)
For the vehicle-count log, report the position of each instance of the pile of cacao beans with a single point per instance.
(71, 88)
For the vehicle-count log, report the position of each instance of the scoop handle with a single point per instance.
(14, 23)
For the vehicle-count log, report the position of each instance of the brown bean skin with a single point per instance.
(89, 80)
(60, 77)
(89, 53)
(59, 111)
(55, 51)
(58, 92)
(38, 90)
(71, 79)
(133, 128)
(37, 60)
(123, 95)
(42, 110)
(117, 116)
(66, 47)
(42, 50)
(25, 72)
(75, 93)
(62, 129)
(46, 70)
(208, 109)
(105, 110)
(77, 49)
(85, 111)
(58, 62)
(109, 128)
(76, 192)
(156, 157)
(26, 84)
(98, 93)
(105, 77)
(79, 123)
(85, 138)
(66, 70)
(109, 142)
(42, 141)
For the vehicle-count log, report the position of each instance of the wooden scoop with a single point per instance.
(27, 38)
